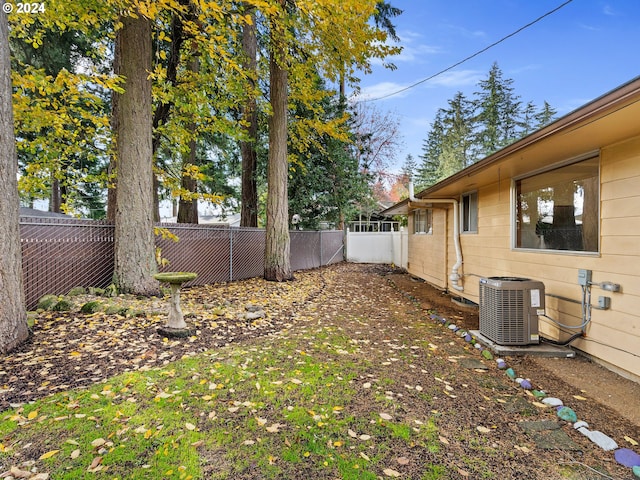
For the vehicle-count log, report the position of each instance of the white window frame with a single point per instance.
(425, 226)
(469, 219)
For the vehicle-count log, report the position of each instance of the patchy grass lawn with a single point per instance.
(272, 410)
(353, 381)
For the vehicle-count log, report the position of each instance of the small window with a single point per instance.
(558, 209)
(422, 221)
(469, 212)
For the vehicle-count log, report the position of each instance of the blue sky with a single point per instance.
(568, 58)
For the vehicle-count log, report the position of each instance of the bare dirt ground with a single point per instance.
(559, 376)
(424, 369)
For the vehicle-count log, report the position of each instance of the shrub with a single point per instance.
(63, 305)
(91, 307)
(75, 291)
(46, 302)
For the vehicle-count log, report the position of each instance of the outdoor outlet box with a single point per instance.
(604, 303)
(584, 277)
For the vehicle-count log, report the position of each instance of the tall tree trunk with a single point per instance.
(249, 203)
(163, 110)
(135, 261)
(13, 316)
(55, 201)
(112, 167)
(277, 264)
(188, 206)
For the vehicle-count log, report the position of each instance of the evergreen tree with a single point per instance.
(528, 122)
(545, 116)
(326, 183)
(409, 169)
(431, 152)
(470, 130)
(498, 113)
(457, 138)
(134, 244)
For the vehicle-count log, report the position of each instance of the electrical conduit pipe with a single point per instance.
(454, 277)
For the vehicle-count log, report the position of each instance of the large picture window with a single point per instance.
(558, 209)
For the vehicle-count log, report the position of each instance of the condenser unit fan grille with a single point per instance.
(507, 314)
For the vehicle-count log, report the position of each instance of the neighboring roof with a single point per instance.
(572, 135)
(32, 212)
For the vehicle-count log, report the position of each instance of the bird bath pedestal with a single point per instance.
(175, 326)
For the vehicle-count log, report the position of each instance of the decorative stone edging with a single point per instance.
(624, 456)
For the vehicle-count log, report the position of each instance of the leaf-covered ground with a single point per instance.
(346, 376)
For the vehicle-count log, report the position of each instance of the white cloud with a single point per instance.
(525, 68)
(412, 49)
(379, 90)
(453, 79)
(457, 78)
(465, 32)
(608, 10)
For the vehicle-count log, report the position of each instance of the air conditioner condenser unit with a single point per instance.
(509, 309)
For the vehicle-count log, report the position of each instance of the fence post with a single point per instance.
(320, 233)
(230, 254)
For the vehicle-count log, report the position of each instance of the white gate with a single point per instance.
(378, 247)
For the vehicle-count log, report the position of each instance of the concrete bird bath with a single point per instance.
(175, 326)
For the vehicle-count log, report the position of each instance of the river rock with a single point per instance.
(636, 471)
(252, 307)
(552, 402)
(502, 365)
(603, 441)
(250, 316)
(487, 354)
(567, 414)
(526, 384)
(510, 373)
(627, 457)
(580, 424)
(539, 394)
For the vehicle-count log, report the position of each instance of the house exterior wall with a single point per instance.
(613, 336)
(427, 252)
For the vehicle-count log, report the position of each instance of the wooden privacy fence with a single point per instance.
(59, 254)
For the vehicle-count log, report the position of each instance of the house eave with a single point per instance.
(627, 95)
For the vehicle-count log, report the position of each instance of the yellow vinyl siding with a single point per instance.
(489, 252)
(427, 251)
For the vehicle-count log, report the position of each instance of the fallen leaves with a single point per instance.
(275, 428)
(16, 472)
(631, 440)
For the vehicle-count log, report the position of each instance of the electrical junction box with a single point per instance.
(584, 277)
(604, 303)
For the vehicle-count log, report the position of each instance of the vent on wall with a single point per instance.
(509, 309)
